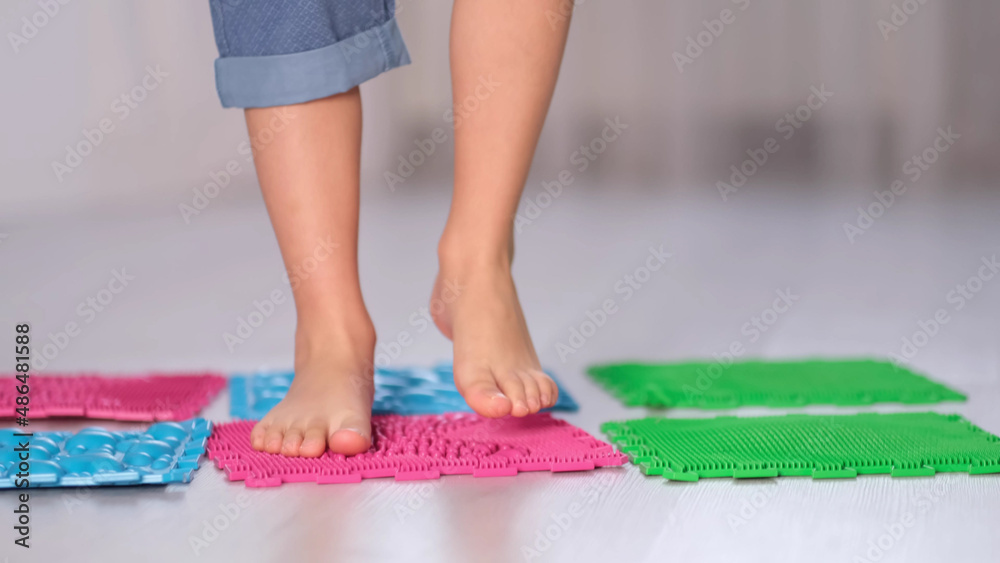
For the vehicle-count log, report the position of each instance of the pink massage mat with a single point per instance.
(154, 397)
(422, 447)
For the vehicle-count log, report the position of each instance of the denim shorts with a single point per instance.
(279, 52)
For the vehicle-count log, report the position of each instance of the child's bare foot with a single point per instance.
(475, 304)
(330, 400)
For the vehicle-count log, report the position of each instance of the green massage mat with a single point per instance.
(903, 445)
(715, 385)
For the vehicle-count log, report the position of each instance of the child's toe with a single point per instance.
(314, 441)
(257, 436)
(513, 388)
(292, 441)
(273, 440)
(532, 394)
(547, 388)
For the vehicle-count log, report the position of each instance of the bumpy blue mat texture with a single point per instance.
(397, 391)
(166, 452)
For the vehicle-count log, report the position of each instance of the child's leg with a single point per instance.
(304, 60)
(309, 176)
(510, 50)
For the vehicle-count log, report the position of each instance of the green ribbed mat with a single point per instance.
(713, 385)
(903, 445)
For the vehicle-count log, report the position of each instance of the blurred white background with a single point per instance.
(893, 87)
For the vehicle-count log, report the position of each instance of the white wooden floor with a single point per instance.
(192, 281)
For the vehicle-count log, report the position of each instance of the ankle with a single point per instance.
(467, 254)
(351, 336)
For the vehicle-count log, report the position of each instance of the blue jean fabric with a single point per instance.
(279, 52)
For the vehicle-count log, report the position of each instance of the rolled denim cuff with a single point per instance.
(277, 80)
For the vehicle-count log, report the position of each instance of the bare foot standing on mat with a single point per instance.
(295, 75)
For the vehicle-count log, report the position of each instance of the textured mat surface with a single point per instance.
(147, 398)
(903, 445)
(712, 385)
(397, 391)
(166, 452)
(422, 447)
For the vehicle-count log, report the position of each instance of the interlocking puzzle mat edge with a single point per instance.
(95, 465)
(632, 396)
(100, 397)
(643, 454)
(238, 461)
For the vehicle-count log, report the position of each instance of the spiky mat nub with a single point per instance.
(903, 445)
(422, 447)
(716, 385)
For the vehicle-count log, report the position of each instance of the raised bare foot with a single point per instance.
(475, 304)
(330, 400)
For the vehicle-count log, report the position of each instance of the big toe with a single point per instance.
(353, 436)
(483, 395)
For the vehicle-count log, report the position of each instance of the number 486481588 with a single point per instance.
(22, 352)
